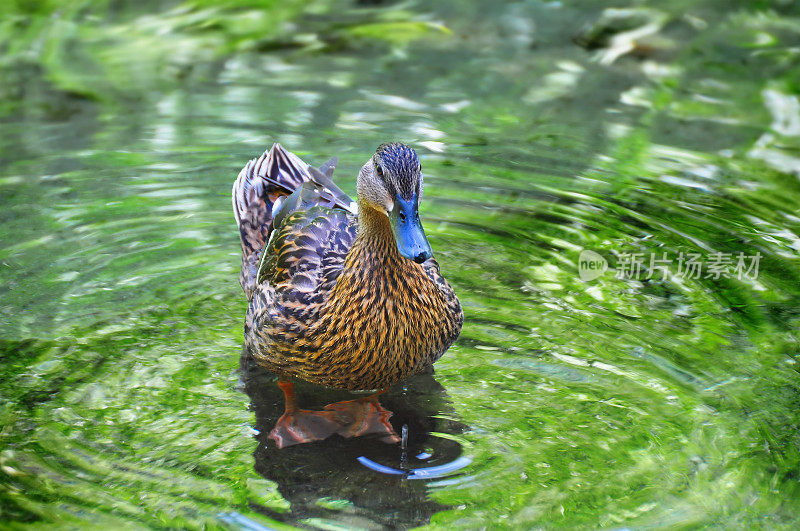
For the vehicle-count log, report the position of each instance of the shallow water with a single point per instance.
(642, 397)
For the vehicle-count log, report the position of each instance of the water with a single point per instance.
(612, 402)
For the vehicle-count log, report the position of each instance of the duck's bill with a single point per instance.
(408, 233)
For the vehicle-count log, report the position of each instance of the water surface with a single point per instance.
(659, 398)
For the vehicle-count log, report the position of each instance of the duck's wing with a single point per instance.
(311, 231)
(327, 187)
(302, 261)
(259, 193)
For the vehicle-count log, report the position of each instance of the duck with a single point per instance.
(341, 293)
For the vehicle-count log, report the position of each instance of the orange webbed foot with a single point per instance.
(299, 426)
(302, 426)
(363, 416)
(349, 418)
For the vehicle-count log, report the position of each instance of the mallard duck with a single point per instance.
(343, 294)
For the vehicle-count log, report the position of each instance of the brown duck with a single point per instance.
(341, 294)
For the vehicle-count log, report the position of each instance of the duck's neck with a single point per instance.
(375, 241)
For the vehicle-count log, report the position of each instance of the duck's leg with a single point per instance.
(298, 426)
(364, 416)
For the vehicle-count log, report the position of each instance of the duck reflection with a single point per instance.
(365, 450)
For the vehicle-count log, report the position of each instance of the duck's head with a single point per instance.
(391, 183)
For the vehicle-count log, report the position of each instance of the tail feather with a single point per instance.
(277, 171)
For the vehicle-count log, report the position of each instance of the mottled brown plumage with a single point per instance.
(332, 300)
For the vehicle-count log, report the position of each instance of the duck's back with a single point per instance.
(296, 229)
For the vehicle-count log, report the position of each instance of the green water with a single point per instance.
(618, 402)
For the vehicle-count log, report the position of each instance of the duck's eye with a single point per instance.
(380, 170)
